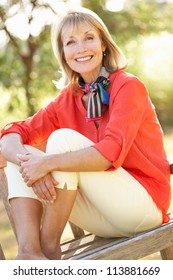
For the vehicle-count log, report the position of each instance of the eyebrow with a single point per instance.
(71, 36)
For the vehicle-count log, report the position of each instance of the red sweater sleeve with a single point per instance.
(35, 130)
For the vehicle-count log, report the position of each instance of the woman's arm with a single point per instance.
(11, 144)
(88, 159)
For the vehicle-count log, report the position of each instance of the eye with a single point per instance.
(69, 42)
(89, 37)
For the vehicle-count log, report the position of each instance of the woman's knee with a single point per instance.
(66, 140)
(33, 150)
(16, 185)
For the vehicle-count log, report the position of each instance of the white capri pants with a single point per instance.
(108, 203)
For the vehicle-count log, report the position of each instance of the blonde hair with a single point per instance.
(113, 59)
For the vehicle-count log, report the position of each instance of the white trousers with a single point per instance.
(108, 203)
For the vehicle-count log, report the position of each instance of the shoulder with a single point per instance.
(121, 77)
(63, 95)
(123, 80)
(64, 98)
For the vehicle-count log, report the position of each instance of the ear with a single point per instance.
(103, 47)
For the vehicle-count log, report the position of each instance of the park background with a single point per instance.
(142, 28)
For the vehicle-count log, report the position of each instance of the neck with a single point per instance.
(91, 77)
(89, 80)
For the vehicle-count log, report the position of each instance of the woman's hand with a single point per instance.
(44, 188)
(32, 167)
(37, 176)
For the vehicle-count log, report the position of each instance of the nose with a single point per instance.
(81, 47)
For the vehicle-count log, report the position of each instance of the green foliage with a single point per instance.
(12, 72)
(26, 78)
(12, 78)
(143, 30)
(153, 63)
(29, 64)
(44, 71)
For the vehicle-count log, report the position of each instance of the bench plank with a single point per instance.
(2, 257)
(167, 254)
(77, 232)
(4, 195)
(132, 248)
(77, 246)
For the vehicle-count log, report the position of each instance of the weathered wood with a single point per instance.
(76, 248)
(4, 196)
(171, 168)
(139, 246)
(167, 254)
(2, 257)
(3, 182)
(77, 231)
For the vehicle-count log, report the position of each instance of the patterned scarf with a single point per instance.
(98, 99)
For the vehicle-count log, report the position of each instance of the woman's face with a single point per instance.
(83, 51)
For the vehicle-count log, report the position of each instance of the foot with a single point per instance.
(52, 253)
(27, 256)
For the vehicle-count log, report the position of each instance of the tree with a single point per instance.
(24, 50)
(138, 17)
(28, 64)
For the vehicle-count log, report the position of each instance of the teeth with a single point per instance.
(83, 58)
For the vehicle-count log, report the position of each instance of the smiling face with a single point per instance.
(83, 50)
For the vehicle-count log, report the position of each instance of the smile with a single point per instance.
(84, 58)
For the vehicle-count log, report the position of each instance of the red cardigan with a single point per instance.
(129, 133)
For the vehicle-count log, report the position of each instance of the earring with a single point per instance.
(104, 53)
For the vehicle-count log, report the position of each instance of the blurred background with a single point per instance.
(142, 28)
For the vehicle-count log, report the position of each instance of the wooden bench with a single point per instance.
(91, 247)
(141, 245)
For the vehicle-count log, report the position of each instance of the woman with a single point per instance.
(105, 167)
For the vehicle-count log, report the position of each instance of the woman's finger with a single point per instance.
(51, 192)
(45, 190)
(38, 191)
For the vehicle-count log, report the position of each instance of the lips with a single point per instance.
(82, 59)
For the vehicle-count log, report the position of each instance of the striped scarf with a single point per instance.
(99, 98)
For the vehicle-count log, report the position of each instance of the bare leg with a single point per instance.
(54, 222)
(27, 224)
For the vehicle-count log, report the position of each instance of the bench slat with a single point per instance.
(2, 257)
(4, 195)
(85, 244)
(167, 254)
(133, 248)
